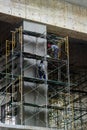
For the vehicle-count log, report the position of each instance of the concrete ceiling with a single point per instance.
(78, 2)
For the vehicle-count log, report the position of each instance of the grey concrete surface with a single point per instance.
(78, 2)
(34, 93)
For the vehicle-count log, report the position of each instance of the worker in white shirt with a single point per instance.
(41, 70)
(55, 50)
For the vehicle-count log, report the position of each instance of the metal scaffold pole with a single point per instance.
(46, 87)
(72, 108)
(68, 78)
(21, 74)
(7, 53)
(8, 44)
(13, 86)
(68, 72)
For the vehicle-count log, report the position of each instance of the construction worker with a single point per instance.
(55, 50)
(41, 70)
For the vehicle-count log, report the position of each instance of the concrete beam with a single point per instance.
(57, 13)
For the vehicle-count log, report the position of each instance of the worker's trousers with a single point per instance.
(56, 53)
(42, 74)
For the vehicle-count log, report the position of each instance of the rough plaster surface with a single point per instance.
(34, 93)
(52, 12)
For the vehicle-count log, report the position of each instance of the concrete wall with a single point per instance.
(57, 13)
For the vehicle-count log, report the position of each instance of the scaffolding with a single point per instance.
(58, 107)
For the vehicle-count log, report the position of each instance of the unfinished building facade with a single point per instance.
(56, 101)
(27, 99)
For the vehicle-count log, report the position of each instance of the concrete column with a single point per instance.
(35, 94)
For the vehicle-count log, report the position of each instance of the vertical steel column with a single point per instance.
(7, 53)
(13, 45)
(72, 110)
(74, 114)
(68, 77)
(21, 71)
(59, 56)
(80, 105)
(8, 43)
(68, 72)
(65, 116)
(46, 86)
